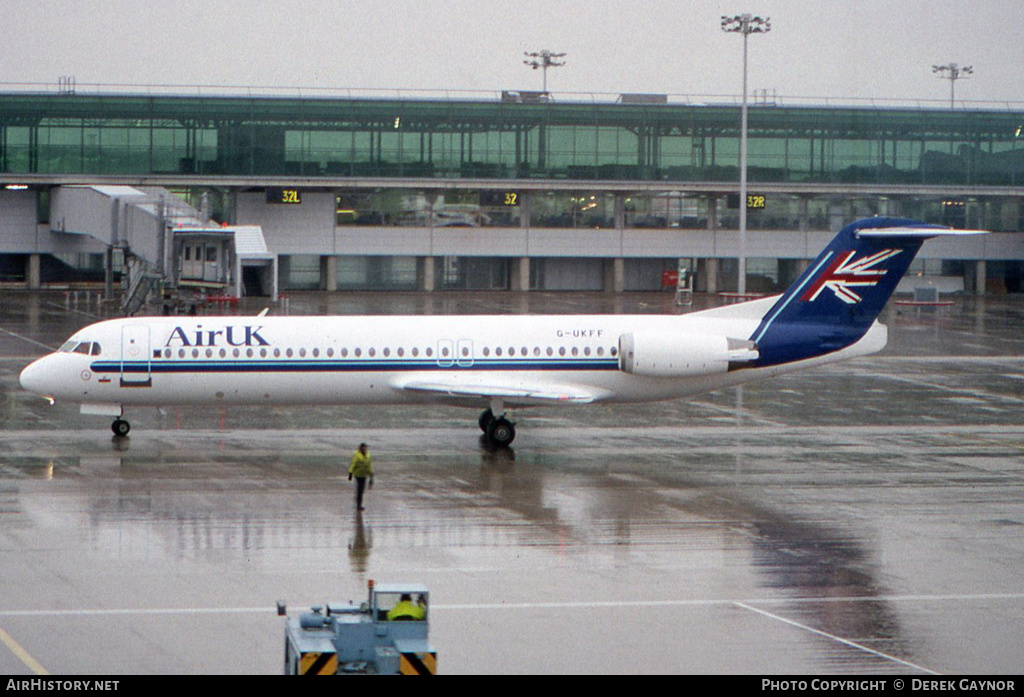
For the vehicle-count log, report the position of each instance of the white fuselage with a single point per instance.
(520, 360)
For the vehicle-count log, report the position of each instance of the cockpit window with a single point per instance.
(86, 348)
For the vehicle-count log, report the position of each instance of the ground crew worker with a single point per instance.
(362, 469)
(406, 609)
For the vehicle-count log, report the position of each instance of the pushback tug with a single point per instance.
(386, 635)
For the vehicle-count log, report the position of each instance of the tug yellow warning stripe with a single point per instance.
(314, 663)
(418, 664)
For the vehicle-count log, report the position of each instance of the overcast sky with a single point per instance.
(816, 48)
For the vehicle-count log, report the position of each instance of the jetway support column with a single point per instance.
(108, 274)
(980, 277)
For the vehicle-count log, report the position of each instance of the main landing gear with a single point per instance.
(499, 431)
(120, 427)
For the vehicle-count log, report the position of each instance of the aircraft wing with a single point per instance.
(518, 394)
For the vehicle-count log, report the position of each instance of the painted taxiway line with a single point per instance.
(748, 605)
(49, 349)
(833, 637)
(21, 654)
(547, 605)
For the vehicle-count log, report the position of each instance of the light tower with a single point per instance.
(744, 24)
(544, 59)
(956, 72)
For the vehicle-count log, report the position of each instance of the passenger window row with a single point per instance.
(549, 351)
(444, 352)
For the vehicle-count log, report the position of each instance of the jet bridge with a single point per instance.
(230, 259)
(162, 238)
(123, 220)
(123, 217)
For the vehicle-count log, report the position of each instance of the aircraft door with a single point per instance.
(136, 358)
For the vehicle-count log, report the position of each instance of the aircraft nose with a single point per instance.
(33, 377)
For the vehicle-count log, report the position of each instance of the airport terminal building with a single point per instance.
(514, 190)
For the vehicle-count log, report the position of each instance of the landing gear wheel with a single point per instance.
(501, 432)
(486, 417)
(120, 427)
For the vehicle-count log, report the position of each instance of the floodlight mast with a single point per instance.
(544, 59)
(745, 24)
(956, 72)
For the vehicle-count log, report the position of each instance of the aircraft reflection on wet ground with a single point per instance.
(867, 518)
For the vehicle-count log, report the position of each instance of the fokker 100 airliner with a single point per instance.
(495, 362)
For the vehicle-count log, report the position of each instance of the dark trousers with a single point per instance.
(360, 488)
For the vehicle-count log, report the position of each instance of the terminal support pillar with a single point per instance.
(427, 279)
(329, 273)
(980, 277)
(615, 275)
(712, 212)
(708, 269)
(1010, 213)
(33, 275)
(521, 274)
(620, 212)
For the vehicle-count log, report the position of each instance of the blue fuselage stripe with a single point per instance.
(164, 366)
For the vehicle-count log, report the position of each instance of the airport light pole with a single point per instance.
(956, 72)
(544, 59)
(744, 24)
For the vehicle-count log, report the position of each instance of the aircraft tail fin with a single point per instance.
(840, 295)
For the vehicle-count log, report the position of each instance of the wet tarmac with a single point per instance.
(867, 518)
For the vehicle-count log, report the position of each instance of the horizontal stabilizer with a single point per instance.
(923, 232)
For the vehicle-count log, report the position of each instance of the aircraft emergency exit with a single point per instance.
(495, 362)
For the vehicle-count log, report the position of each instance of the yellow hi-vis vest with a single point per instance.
(361, 465)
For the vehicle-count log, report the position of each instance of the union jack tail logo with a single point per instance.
(846, 273)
